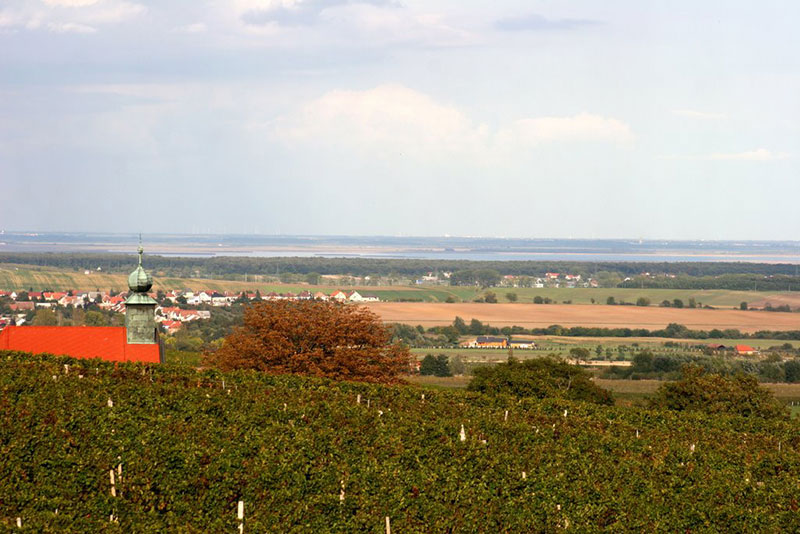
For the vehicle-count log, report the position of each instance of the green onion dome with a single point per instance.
(139, 280)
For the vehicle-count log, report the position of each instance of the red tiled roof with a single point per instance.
(744, 348)
(104, 342)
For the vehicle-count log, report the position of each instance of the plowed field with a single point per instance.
(543, 315)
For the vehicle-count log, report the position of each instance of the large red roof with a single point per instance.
(104, 342)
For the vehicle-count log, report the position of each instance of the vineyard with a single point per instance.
(87, 446)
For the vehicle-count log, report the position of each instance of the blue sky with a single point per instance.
(528, 118)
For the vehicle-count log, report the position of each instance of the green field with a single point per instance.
(22, 277)
(562, 346)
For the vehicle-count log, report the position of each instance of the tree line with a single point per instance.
(685, 272)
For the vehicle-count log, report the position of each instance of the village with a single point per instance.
(185, 304)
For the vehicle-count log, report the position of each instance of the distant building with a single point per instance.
(745, 350)
(489, 342)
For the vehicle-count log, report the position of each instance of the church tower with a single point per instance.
(140, 308)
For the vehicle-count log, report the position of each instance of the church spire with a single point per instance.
(139, 306)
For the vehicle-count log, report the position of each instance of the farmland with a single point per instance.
(541, 316)
(304, 455)
(25, 277)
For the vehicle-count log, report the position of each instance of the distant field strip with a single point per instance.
(543, 315)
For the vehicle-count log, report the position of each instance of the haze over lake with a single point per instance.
(446, 247)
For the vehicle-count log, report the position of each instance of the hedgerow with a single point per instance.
(306, 456)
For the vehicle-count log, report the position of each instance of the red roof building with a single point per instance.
(104, 342)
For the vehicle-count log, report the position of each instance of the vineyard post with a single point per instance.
(505, 417)
(462, 435)
(240, 516)
(388, 526)
(19, 522)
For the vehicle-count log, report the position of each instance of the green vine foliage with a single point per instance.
(305, 456)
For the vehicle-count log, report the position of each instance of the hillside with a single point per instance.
(305, 456)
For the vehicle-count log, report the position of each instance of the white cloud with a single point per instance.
(389, 117)
(396, 119)
(70, 27)
(699, 114)
(67, 16)
(197, 27)
(70, 3)
(581, 127)
(760, 154)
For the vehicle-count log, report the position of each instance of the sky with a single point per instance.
(531, 118)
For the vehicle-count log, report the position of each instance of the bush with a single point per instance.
(716, 394)
(316, 338)
(541, 378)
(435, 366)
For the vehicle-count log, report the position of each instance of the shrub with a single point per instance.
(716, 394)
(541, 378)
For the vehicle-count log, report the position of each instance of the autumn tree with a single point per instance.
(318, 338)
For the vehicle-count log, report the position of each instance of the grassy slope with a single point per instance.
(286, 447)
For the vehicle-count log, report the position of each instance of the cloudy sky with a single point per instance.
(529, 118)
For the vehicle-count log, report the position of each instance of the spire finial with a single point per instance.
(141, 250)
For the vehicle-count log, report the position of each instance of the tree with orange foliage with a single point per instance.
(317, 338)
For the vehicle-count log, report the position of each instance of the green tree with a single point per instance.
(611, 301)
(677, 303)
(45, 317)
(538, 300)
(579, 354)
(95, 318)
(511, 297)
(742, 305)
(716, 394)
(313, 278)
(476, 327)
(791, 370)
(539, 377)
(460, 325)
(457, 366)
(490, 297)
(643, 301)
(435, 366)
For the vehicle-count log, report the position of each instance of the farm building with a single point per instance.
(489, 342)
(745, 350)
